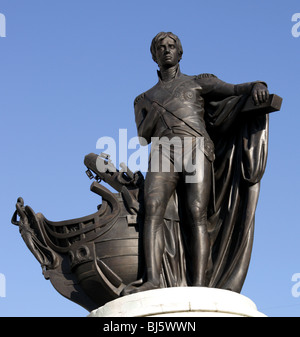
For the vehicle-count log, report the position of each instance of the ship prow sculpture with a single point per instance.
(90, 260)
(174, 228)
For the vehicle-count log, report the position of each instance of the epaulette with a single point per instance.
(205, 76)
(139, 97)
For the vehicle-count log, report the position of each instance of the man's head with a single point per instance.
(166, 49)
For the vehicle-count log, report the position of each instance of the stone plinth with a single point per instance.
(180, 302)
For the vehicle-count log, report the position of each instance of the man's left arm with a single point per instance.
(218, 88)
(258, 90)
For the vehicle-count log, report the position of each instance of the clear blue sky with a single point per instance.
(70, 70)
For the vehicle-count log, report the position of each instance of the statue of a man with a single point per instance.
(176, 107)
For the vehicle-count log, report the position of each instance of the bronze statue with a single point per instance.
(180, 226)
(175, 107)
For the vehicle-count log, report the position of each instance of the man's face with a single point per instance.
(167, 53)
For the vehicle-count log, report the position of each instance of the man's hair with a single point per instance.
(160, 36)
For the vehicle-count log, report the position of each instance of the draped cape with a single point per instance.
(241, 143)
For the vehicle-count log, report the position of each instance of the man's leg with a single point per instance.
(197, 199)
(159, 187)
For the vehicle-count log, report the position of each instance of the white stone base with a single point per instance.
(180, 302)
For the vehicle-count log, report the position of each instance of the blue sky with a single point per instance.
(70, 70)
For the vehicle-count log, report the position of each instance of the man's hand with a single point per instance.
(260, 93)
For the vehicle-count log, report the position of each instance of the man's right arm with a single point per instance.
(146, 117)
